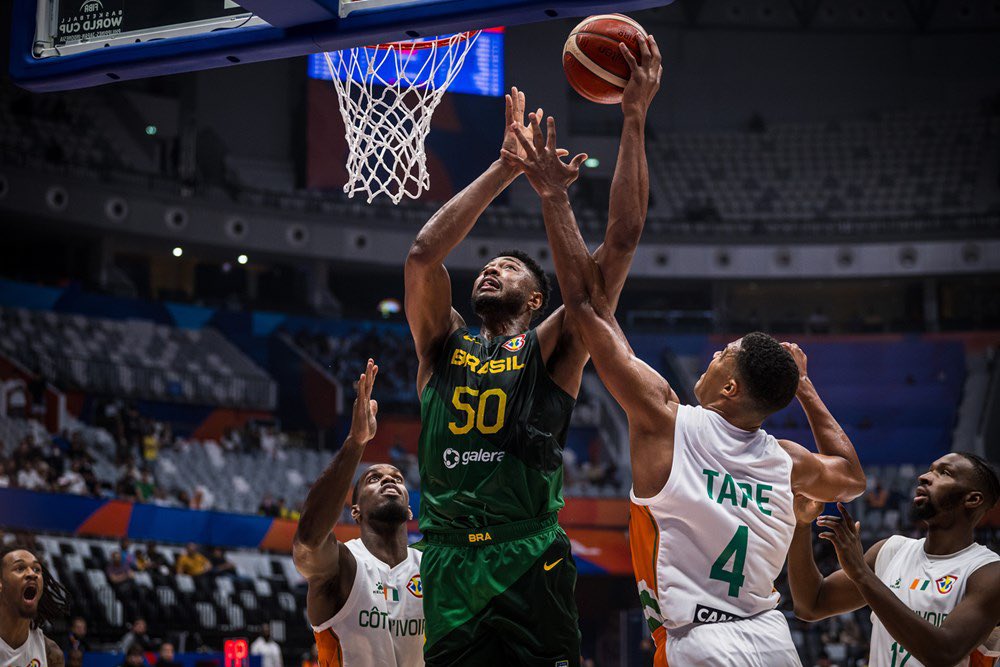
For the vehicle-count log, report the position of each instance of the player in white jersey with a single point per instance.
(712, 495)
(934, 600)
(365, 600)
(28, 599)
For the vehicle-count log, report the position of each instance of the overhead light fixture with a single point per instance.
(178, 251)
(242, 259)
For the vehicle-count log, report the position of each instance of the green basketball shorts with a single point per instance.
(502, 595)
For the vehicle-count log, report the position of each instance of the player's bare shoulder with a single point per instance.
(53, 654)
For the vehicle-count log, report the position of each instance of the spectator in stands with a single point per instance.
(156, 561)
(25, 453)
(128, 552)
(33, 476)
(119, 574)
(192, 562)
(72, 481)
(4, 477)
(145, 486)
(150, 441)
(268, 507)
(269, 441)
(166, 656)
(137, 638)
(202, 498)
(76, 640)
(266, 648)
(74, 658)
(134, 656)
(140, 561)
(220, 564)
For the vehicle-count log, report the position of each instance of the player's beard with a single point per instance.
(930, 509)
(497, 307)
(390, 512)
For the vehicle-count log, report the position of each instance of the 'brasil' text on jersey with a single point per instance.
(493, 429)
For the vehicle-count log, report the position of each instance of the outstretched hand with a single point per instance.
(515, 125)
(844, 532)
(645, 75)
(541, 161)
(799, 356)
(365, 409)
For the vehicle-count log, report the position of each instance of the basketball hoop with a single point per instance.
(388, 94)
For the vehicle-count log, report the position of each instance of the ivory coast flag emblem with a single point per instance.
(945, 583)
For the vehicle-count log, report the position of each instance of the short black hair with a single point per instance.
(984, 478)
(544, 284)
(768, 372)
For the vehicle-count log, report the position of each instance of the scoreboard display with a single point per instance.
(481, 74)
(236, 652)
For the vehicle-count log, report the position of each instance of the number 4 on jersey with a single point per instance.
(737, 550)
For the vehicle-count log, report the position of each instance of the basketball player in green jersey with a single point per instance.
(497, 570)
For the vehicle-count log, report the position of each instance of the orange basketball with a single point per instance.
(594, 66)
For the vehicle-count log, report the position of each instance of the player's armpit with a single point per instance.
(821, 477)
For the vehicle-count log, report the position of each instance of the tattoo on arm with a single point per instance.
(53, 654)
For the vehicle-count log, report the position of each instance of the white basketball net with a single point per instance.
(387, 118)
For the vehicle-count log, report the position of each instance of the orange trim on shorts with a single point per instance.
(331, 653)
(644, 542)
(977, 659)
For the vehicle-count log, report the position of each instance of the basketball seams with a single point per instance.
(593, 64)
(573, 49)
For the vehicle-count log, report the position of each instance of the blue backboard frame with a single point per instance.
(292, 38)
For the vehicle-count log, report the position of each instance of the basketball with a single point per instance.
(592, 60)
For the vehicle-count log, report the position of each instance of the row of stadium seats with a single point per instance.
(263, 588)
(134, 359)
(899, 164)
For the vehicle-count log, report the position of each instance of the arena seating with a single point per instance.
(896, 399)
(266, 588)
(288, 474)
(898, 164)
(55, 130)
(134, 359)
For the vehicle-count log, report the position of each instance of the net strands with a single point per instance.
(387, 118)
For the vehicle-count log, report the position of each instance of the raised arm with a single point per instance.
(629, 201)
(316, 552)
(965, 628)
(814, 596)
(835, 473)
(641, 391)
(428, 287)
(562, 346)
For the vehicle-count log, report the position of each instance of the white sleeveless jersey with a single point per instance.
(708, 547)
(29, 654)
(929, 585)
(382, 622)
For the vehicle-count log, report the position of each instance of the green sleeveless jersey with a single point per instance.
(493, 427)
